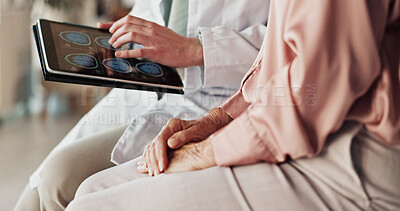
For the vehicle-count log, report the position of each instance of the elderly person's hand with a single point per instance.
(161, 44)
(176, 134)
(191, 157)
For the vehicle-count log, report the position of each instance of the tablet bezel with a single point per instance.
(52, 66)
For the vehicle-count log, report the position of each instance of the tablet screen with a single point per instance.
(85, 50)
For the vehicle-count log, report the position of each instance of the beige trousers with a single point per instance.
(355, 171)
(67, 169)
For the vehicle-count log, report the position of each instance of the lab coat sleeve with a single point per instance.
(332, 45)
(149, 10)
(228, 53)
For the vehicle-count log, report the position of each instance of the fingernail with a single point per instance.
(117, 54)
(160, 166)
(150, 172)
(172, 142)
(141, 166)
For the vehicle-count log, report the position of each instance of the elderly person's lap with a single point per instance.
(216, 188)
(306, 184)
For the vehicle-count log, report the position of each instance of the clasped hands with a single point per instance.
(183, 145)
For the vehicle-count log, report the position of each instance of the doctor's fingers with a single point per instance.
(104, 25)
(136, 53)
(129, 19)
(132, 37)
(131, 30)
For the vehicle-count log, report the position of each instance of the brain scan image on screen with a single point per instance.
(117, 65)
(103, 42)
(78, 38)
(150, 69)
(82, 60)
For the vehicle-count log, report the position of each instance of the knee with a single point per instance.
(58, 180)
(76, 205)
(84, 204)
(86, 187)
(82, 200)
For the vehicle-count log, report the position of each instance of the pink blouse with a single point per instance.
(322, 63)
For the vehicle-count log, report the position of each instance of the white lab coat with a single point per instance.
(232, 30)
(232, 33)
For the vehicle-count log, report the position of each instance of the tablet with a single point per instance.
(80, 54)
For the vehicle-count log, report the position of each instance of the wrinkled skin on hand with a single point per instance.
(191, 157)
(172, 144)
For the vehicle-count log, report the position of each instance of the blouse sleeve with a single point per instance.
(328, 58)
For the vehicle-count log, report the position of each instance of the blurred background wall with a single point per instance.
(15, 57)
(35, 115)
(21, 86)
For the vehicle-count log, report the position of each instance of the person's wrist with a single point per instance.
(195, 52)
(218, 117)
(208, 159)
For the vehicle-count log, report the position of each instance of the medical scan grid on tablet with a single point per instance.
(88, 52)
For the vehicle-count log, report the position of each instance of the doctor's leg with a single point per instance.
(29, 200)
(66, 169)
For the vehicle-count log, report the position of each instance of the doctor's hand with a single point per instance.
(161, 44)
(176, 134)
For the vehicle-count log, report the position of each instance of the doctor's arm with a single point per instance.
(224, 51)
